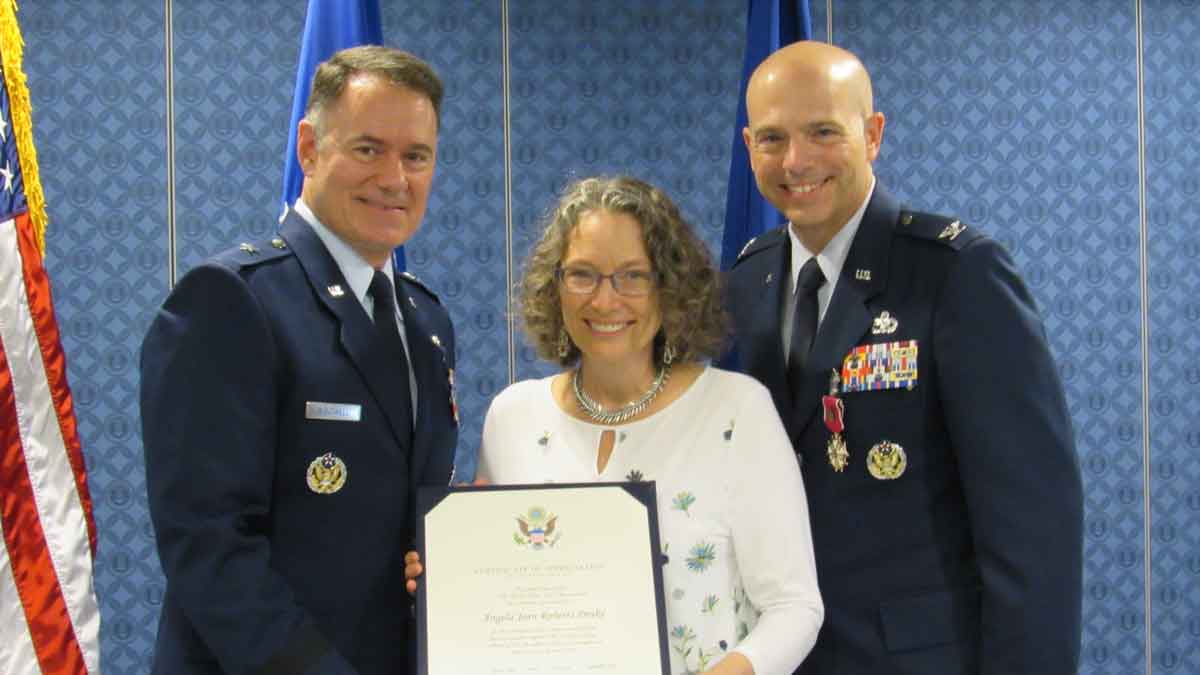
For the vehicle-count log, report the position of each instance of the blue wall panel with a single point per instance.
(1172, 91)
(235, 70)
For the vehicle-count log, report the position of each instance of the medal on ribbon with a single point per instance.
(835, 420)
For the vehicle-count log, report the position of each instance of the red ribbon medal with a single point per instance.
(835, 420)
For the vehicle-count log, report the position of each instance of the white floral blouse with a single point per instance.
(732, 513)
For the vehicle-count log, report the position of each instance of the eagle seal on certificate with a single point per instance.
(536, 529)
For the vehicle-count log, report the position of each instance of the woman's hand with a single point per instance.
(412, 570)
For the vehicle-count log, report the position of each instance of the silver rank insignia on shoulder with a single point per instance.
(437, 341)
(884, 324)
(952, 230)
(249, 249)
(743, 251)
(336, 290)
(886, 460)
(326, 474)
(862, 275)
(278, 243)
(769, 278)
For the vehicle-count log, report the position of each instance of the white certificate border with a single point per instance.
(645, 492)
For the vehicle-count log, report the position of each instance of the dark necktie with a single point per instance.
(384, 313)
(804, 322)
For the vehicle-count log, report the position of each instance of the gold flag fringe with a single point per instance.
(12, 49)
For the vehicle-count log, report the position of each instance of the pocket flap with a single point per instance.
(930, 619)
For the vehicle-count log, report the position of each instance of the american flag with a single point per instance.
(49, 617)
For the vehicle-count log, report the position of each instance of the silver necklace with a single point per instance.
(597, 412)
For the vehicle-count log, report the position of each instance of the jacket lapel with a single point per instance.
(766, 288)
(848, 317)
(428, 364)
(357, 333)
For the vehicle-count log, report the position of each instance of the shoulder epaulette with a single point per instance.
(248, 254)
(933, 227)
(412, 279)
(762, 242)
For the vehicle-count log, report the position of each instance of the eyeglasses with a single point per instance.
(584, 281)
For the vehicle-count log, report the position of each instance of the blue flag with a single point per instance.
(770, 25)
(329, 26)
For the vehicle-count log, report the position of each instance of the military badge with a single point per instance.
(248, 249)
(279, 243)
(952, 231)
(326, 474)
(835, 420)
(537, 529)
(336, 291)
(887, 365)
(886, 460)
(884, 324)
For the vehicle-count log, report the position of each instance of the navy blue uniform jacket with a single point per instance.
(971, 560)
(264, 574)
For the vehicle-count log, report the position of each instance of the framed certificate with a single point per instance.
(557, 578)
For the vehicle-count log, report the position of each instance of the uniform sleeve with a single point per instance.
(209, 386)
(772, 539)
(1007, 419)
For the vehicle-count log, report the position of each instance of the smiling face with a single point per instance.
(611, 330)
(367, 177)
(812, 137)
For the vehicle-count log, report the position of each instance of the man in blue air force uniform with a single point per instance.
(913, 373)
(294, 394)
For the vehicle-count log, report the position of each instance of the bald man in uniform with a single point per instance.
(910, 366)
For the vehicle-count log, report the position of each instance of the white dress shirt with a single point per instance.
(830, 260)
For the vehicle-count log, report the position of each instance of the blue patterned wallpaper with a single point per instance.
(647, 89)
(235, 68)
(1172, 95)
(1020, 117)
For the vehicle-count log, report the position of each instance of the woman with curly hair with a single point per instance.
(622, 294)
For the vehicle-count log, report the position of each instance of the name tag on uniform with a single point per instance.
(332, 412)
(888, 365)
